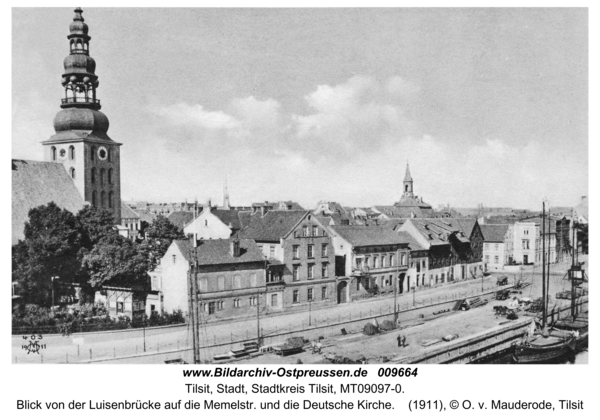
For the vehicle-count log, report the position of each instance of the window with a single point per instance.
(120, 307)
(221, 283)
(72, 171)
(496, 259)
(236, 303)
(110, 200)
(53, 152)
(311, 251)
(424, 264)
(205, 222)
(526, 232)
(376, 262)
(310, 294)
(443, 277)
(324, 250)
(296, 273)
(391, 260)
(315, 231)
(487, 258)
(92, 153)
(110, 176)
(295, 296)
(237, 281)
(174, 258)
(93, 175)
(253, 280)
(211, 308)
(324, 270)
(261, 248)
(384, 261)
(272, 251)
(486, 246)
(154, 283)
(324, 292)
(220, 305)
(367, 262)
(496, 247)
(359, 263)
(296, 252)
(253, 301)
(71, 152)
(274, 300)
(526, 244)
(311, 271)
(102, 176)
(391, 280)
(109, 155)
(203, 285)
(305, 230)
(403, 259)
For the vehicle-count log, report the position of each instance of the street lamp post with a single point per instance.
(413, 290)
(52, 280)
(309, 312)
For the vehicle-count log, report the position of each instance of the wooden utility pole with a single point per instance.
(544, 292)
(192, 324)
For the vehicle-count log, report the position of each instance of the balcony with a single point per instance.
(67, 101)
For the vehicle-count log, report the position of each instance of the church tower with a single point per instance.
(408, 184)
(81, 142)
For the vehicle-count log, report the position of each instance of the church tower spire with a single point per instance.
(226, 205)
(81, 142)
(408, 183)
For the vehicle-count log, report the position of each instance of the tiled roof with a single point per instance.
(273, 226)
(229, 217)
(37, 183)
(181, 218)
(370, 235)
(146, 216)
(437, 231)
(406, 201)
(218, 251)
(494, 233)
(127, 212)
(405, 212)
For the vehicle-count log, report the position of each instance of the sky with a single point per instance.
(486, 105)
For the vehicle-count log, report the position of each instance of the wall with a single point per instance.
(208, 226)
(172, 280)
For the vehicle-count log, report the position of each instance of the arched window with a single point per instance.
(71, 152)
(92, 153)
(53, 153)
(72, 172)
(94, 199)
(102, 176)
(93, 175)
(102, 199)
(108, 155)
(110, 200)
(110, 175)
(406, 188)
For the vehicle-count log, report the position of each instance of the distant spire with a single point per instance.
(225, 196)
(407, 176)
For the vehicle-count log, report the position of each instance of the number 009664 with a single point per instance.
(391, 372)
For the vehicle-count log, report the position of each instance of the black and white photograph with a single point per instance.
(390, 186)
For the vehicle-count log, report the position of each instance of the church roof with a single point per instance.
(37, 183)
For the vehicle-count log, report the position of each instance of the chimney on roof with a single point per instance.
(264, 209)
(234, 246)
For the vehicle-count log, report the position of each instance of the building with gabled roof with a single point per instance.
(455, 247)
(497, 246)
(230, 275)
(131, 221)
(369, 259)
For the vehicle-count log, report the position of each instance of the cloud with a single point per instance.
(352, 145)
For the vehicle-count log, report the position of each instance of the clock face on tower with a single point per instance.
(102, 153)
(62, 154)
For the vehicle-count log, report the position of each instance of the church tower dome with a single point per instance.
(81, 142)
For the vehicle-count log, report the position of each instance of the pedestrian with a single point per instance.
(403, 341)
(399, 338)
(319, 346)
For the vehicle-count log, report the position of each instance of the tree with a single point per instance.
(116, 260)
(94, 224)
(47, 257)
(159, 236)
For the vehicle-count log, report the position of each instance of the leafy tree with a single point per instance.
(49, 250)
(159, 236)
(116, 260)
(95, 223)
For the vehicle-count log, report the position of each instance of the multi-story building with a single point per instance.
(455, 247)
(230, 276)
(300, 254)
(526, 240)
(369, 259)
(497, 246)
